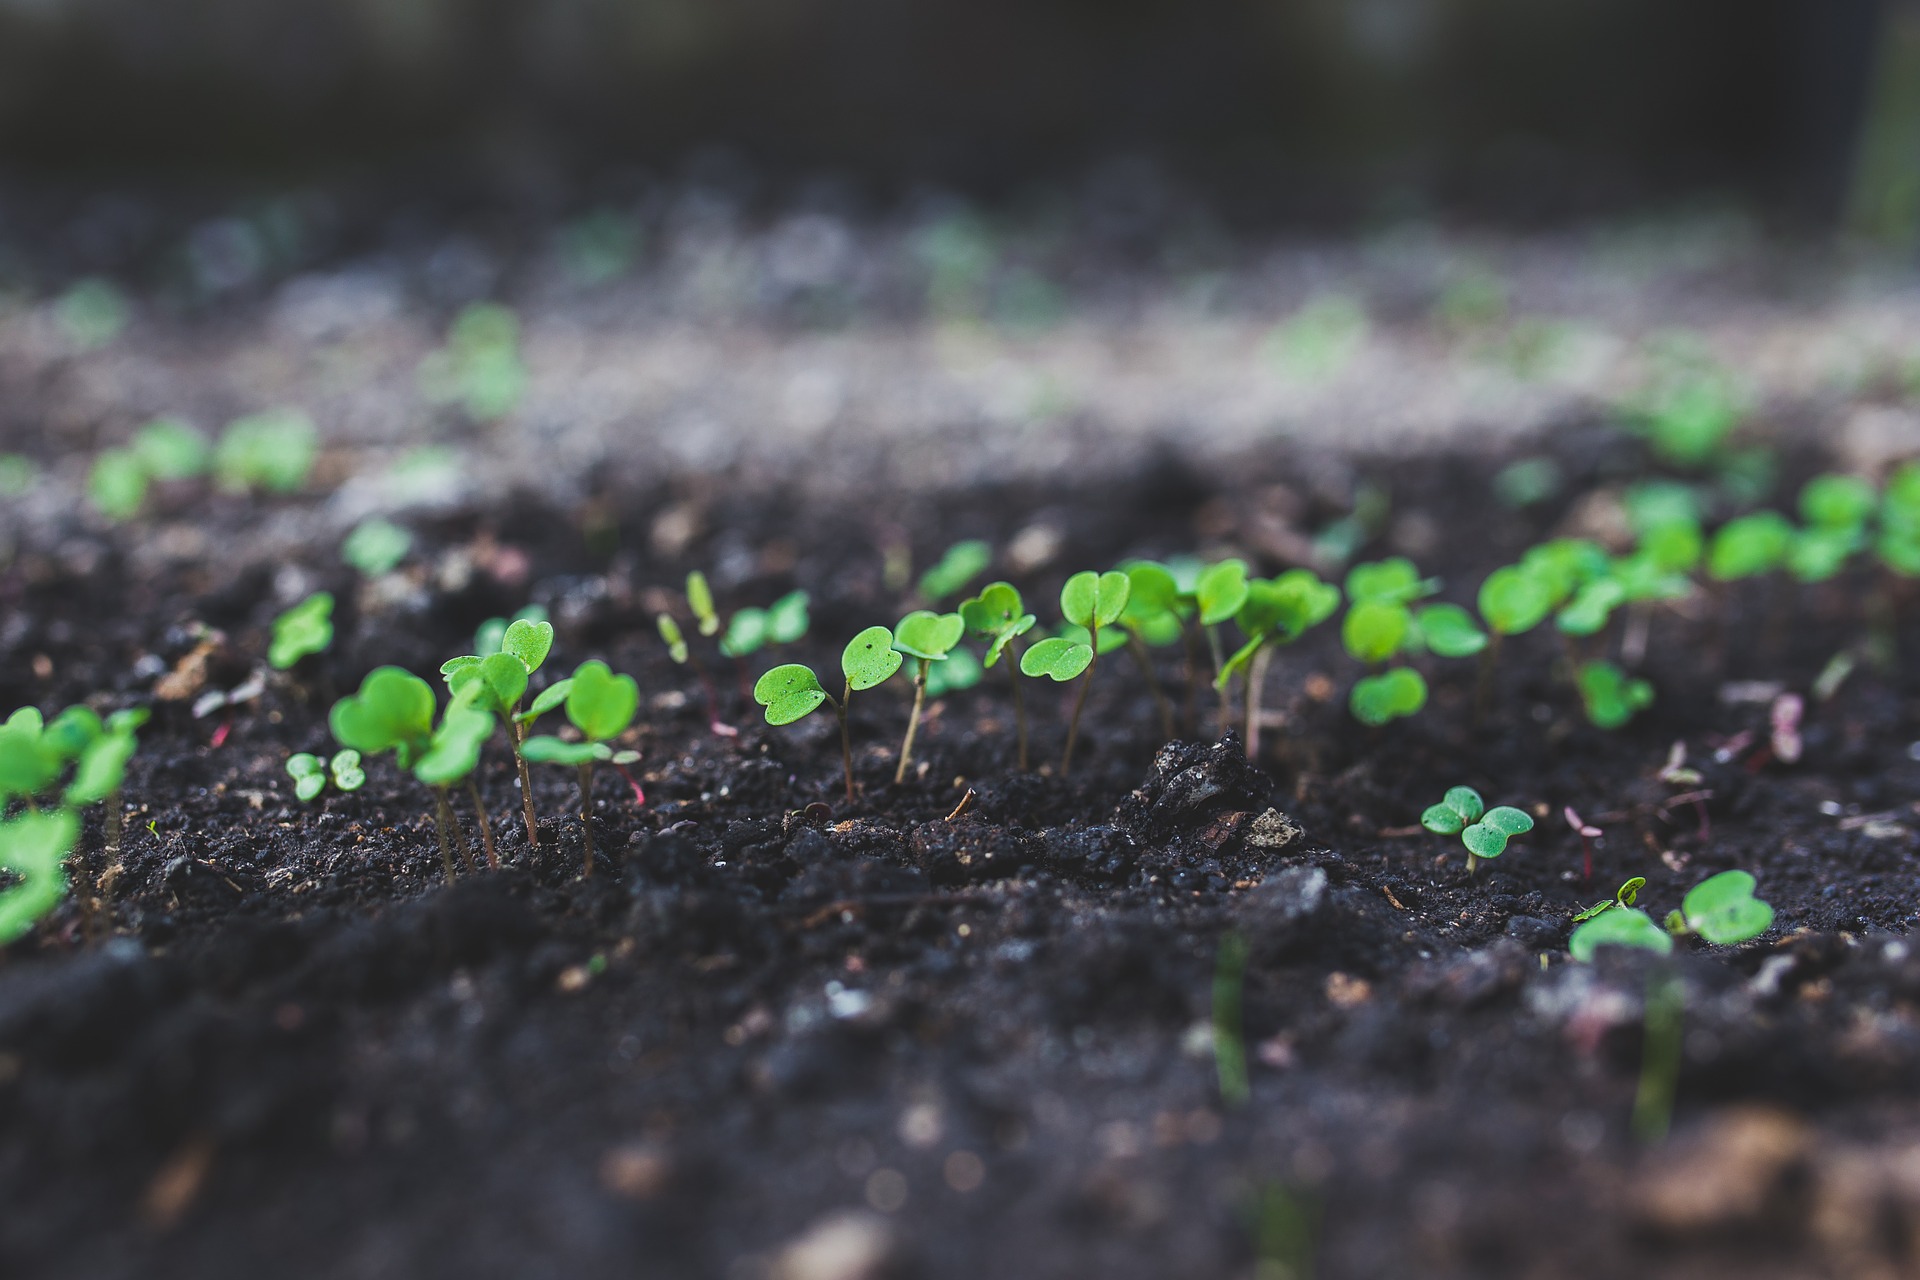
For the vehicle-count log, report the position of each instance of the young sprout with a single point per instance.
(1093, 601)
(34, 847)
(498, 682)
(1722, 910)
(927, 637)
(1155, 616)
(700, 602)
(1611, 697)
(1483, 831)
(1618, 924)
(310, 773)
(100, 752)
(452, 754)
(376, 546)
(117, 484)
(998, 618)
(1277, 611)
(170, 449)
(1378, 627)
(1689, 414)
(1749, 546)
(393, 711)
(1588, 833)
(792, 692)
(959, 565)
(479, 368)
(783, 622)
(1391, 695)
(1513, 600)
(305, 629)
(492, 633)
(1622, 897)
(601, 705)
(1218, 593)
(672, 637)
(1836, 509)
(272, 451)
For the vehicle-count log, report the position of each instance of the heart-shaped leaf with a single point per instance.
(1056, 658)
(1151, 590)
(746, 633)
(1619, 927)
(1466, 802)
(1449, 631)
(1610, 696)
(1508, 820)
(1375, 630)
(33, 847)
(1514, 599)
(868, 660)
(1484, 841)
(792, 692)
(309, 775)
(601, 704)
(393, 711)
(928, 635)
(496, 682)
(1378, 699)
(1220, 591)
(1723, 910)
(1394, 580)
(787, 618)
(1093, 599)
(455, 750)
(528, 641)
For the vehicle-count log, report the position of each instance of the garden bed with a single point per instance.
(974, 1023)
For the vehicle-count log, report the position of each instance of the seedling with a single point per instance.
(1483, 831)
(1277, 611)
(1688, 417)
(1898, 545)
(1618, 924)
(1622, 897)
(1836, 509)
(1218, 593)
(1155, 615)
(117, 484)
(959, 672)
(1588, 833)
(959, 565)
(492, 633)
(927, 637)
(452, 754)
(1611, 697)
(499, 682)
(700, 601)
(393, 711)
(34, 847)
(376, 546)
(792, 692)
(1094, 601)
(1391, 695)
(601, 705)
(1722, 910)
(782, 622)
(272, 451)
(1513, 600)
(311, 773)
(1749, 546)
(479, 368)
(998, 618)
(305, 629)
(170, 449)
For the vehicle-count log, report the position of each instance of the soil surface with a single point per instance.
(973, 1024)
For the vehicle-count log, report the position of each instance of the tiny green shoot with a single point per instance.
(376, 546)
(959, 565)
(1483, 831)
(792, 692)
(1611, 697)
(273, 451)
(998, 618)
(306, 628)
(1723, 910)
(601, 706)
(1090, 600)
(926, 637)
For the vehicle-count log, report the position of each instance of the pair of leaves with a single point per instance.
(304, 629)
(960, 564)
(1611, 697)
(927, 635)
(1514, 600)
(783, 622)
(1721, 909)
(1749, 546)
(33, 847)
(310, 773)
(1622, 897)
(1278, 610)
(1391, 695)
(600, 704)
(376, 546)
(1484, 831)
(1394, 580)
(1095, 600)
(792, 692)
(1622, 926)
(998, 616)
(393, 711)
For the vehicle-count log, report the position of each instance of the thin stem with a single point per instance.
(846, 743)
(1226, 707)
(1483, 689)
(586, 818)
(1079, 704)
(459, 831)
(913, 721)
(440, 815)
(1138, 648)
(1256, 679)
(1011, 657)
(526, 784)
(1192, 716)
(486, 826)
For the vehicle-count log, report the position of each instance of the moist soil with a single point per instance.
(971, 1024)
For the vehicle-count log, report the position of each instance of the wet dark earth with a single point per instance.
(777, 1035)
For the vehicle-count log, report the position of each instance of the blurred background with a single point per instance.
(1299, 110)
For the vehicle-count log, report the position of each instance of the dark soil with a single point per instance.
(281, 1045)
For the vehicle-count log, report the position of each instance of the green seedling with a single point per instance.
(792, 692)
(1155, 616)
(1620, 926)
(1898, 544)
(959, 565)
(480, 367)
(311, 774)
(1093, 601)
(393, 711)
(492, 633)
(672, 637)
(305, 629)
(34, 847)
(452, 755)
(117, 484)
(1623, 898)
(1391, 695)
(1836, 509)
(1722, 910)
(1448, 630)
(1483, 831)
(92, 312)
(498, 678)
(1218, 592)
(1276, 612)
(700, 602)
(961, 671)
(1688, 417)
(1749, 546)
(171, 449)
(601, 706)
(926, 637)
(1611, 697)
(783, 622)
(1513, 600)
(376, 546)
(273, 451)
(997, 617)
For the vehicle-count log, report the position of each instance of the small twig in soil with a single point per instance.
(966, 803)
